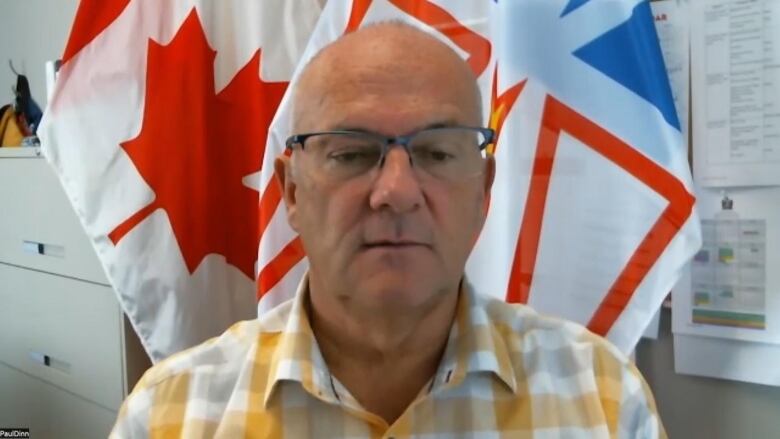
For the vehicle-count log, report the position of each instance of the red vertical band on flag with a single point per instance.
(521, 274)
(269, 202)
(92, 17)
(558, 117)
(278, 268)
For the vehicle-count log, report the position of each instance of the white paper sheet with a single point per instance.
(672, 25)
(729, 359)
(735, 73)
(762, 206)
(736, 352)
(728, 275)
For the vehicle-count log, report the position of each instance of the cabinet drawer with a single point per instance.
(63, 331)
(49, 412)
(35, 210)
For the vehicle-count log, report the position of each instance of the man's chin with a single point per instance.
(395, 258)
(384, 292)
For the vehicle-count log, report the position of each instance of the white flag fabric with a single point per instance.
(592, 214)
(156, 129)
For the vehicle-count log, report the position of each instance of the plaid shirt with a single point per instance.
(507, 372)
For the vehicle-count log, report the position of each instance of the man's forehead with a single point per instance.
(397, 104)
(386, 40)
(387, 66)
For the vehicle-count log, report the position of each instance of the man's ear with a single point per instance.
(284, 175)
(490, 176)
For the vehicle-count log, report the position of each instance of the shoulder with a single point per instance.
(209, 373)
(226, 352)
(528, 330)
(219, 352)
(553, 356)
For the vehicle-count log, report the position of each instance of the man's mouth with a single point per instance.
(393, 244)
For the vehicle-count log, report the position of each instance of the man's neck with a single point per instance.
(383, 359)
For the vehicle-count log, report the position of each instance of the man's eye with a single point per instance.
(434, 155)
(352, 156)
(440, 156)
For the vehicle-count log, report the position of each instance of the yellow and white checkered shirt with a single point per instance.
(507, 372)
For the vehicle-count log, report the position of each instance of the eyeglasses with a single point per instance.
(446, 153)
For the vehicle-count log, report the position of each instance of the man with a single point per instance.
(388, 187)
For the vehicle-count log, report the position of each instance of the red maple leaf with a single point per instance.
(196, 146)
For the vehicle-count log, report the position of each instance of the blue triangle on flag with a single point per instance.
(572, 5)
(630, 54)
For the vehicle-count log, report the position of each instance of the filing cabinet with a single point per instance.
(68, 355)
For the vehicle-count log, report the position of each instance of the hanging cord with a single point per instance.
(11, 65)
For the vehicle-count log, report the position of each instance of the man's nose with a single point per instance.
(397, 186)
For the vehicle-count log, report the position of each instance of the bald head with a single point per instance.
(392, 62)
(385, 234)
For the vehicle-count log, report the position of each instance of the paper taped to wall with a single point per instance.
(735, 53)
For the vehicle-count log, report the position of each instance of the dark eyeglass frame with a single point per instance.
(300, 139)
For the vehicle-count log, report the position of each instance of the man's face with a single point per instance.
(392, 237)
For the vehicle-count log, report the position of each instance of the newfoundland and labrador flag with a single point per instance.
(161, 131)
(591, 216)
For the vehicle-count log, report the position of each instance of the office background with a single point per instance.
(35, 31)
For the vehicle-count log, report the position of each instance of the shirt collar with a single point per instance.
(297, 355)
(475, 345)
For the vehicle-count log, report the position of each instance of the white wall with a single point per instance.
(698, 407)
(33, 32)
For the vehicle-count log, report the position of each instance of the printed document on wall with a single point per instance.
(735, 75)
(727, 302)
(672, 25)
(730, 289)
(728, 274)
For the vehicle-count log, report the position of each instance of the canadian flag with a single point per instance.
(592, 214)
(157, 129)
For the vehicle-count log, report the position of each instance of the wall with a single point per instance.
(34, 31)
(697, 407)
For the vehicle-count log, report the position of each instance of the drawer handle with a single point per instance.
(48, 361)
(40, 248)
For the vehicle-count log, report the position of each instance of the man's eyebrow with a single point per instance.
(443, 124)
(349, 128)
(438, 124)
